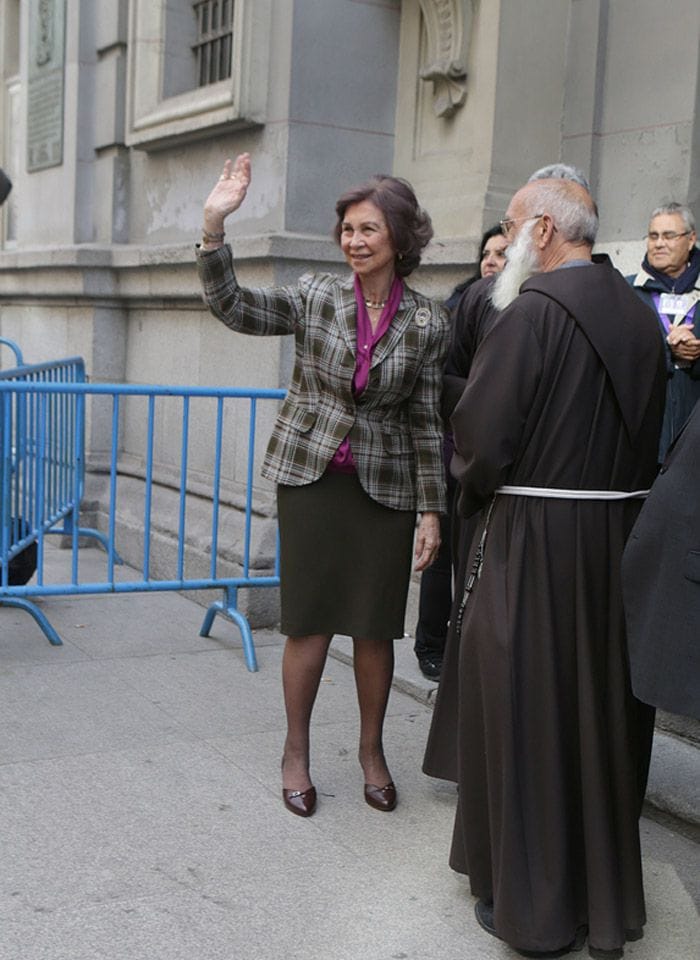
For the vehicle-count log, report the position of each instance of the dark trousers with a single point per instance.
(435, 599)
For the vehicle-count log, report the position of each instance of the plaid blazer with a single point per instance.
(394, 426)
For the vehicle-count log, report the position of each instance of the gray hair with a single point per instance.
(678, 209)
(574, 214)
(560, 171)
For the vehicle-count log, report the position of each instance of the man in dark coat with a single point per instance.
(435, 600)
(557, 427)
(472, 318)
(669, 282)
(661, 582)
(5, 186)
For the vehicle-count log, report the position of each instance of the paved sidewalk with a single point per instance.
(142, 819)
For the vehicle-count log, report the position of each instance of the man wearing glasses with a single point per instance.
(472, 315)
(668, 282)
(556, 433)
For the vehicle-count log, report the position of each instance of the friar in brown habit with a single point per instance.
(556, 431)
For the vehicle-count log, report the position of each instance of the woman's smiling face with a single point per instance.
(366, 242)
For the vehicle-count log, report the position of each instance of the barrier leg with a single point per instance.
(101, 538)
(228, 608)
(40, 618)
(67, 531)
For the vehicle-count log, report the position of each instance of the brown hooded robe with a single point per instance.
(566, 391)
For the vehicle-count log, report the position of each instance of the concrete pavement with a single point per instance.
(142, 819)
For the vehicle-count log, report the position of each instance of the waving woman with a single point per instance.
(355, 451)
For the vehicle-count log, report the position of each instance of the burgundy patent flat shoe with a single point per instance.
(381, 798)
(300, 802)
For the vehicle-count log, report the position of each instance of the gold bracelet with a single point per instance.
(215, 237)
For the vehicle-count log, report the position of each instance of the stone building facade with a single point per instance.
(116, 116)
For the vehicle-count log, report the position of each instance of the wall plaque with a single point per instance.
(47, 21)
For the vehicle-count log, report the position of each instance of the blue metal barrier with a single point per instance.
(42, 466)
(15, 349)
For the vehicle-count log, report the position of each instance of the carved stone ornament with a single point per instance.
(45, 42)
(447, 23)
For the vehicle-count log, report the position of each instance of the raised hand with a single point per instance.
(228, 193)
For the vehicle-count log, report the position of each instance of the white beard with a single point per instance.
(522, 262)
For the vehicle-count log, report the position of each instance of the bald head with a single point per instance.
(568, 204)
(550, 223)
(560, 171)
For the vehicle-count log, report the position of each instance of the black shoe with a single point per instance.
(484, 916)
(430, 667)
(576, 944)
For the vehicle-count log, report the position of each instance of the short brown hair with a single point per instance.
(409, 225)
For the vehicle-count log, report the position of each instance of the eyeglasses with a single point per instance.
(668, 235)
(507, 224)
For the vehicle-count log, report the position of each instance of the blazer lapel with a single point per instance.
(405, 316)
(345, 314)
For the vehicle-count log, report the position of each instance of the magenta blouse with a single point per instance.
(343, 461)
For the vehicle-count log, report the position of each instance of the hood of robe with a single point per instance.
(622, 330)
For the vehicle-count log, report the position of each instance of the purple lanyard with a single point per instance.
(666, 320)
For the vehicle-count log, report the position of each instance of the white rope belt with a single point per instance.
(559, 493)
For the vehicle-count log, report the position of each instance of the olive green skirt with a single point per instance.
(345, 560)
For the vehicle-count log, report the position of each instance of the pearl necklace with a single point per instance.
(375, 304)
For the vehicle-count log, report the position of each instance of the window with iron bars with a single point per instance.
(214, 40)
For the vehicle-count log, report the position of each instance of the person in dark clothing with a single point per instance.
(661, 582)
(552, 746)
(669, 282)
(5, 186)
(472, 318)
(492, 259)
(473, 310)
(435, 597)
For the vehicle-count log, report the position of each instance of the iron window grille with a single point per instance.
(214, 40)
